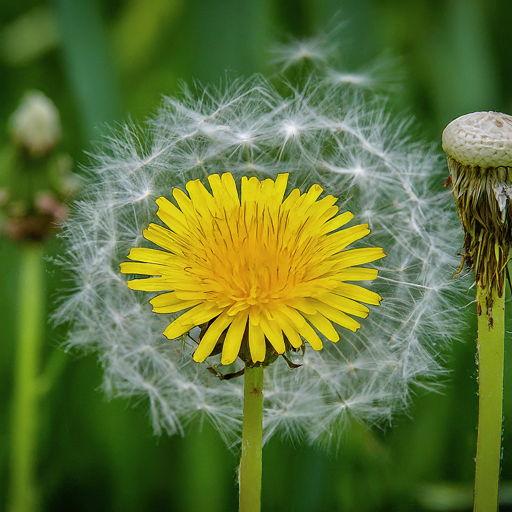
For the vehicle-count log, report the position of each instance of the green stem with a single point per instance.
(491, 333)
(250, 464)
(25, 399)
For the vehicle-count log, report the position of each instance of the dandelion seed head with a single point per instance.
(35, 125)
(322, 132)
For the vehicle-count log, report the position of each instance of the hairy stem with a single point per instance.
(250, 464)
(26, 395)
(491, 333)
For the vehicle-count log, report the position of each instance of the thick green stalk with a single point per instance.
(250, 464)
(491, 333)
(23, 497)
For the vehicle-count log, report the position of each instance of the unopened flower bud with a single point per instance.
(35, 125)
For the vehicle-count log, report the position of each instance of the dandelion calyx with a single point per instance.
(254, 268)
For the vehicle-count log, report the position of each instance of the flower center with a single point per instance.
(248, 263)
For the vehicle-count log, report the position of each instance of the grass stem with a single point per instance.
(23, 494)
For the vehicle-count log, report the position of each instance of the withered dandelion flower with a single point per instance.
(254, 267)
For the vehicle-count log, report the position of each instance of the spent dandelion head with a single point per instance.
(321, 136)
(478, 148)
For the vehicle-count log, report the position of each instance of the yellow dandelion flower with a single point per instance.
(254, 267)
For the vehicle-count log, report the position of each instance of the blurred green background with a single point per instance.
(102, 61)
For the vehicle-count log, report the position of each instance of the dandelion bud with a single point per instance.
(479, 151)
(35, 179)
(35, 125)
